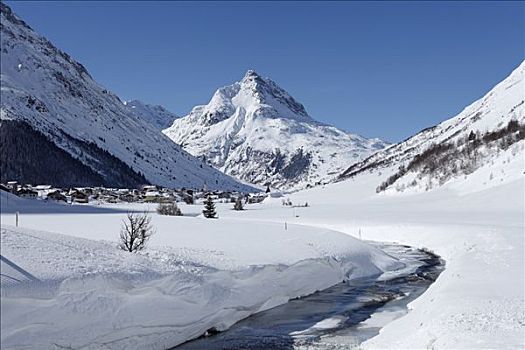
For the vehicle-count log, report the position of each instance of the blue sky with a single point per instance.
(381, 69)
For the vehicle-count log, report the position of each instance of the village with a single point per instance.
(144, 194)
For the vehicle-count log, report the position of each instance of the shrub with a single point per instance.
(170, 209)
(286, 202)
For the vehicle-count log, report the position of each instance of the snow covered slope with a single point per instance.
(488, 135)
(156, 115)
(257, 132)
(44, 88)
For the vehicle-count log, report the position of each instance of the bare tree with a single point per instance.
(135, 232)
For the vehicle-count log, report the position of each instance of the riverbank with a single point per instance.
(337, 317)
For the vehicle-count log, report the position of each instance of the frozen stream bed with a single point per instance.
(339, 317)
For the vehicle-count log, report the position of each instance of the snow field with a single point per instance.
(197, 274)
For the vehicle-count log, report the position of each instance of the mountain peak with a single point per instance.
(250, 73)
(254, 81)
(256, 131)
(268, 93)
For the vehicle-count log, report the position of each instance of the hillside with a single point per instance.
(155, 115)
(43, 88)
(485, 138)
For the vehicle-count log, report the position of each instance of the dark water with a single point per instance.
(332, 318)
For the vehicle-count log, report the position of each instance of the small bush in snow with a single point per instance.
(286, 202)
(135, 232)
(169, 209)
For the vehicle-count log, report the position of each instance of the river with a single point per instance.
(337, 317)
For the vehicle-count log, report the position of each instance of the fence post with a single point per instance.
(16, 218)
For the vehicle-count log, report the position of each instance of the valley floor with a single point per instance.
(66, 284)
(198, 273)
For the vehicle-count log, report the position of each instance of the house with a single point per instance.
(152, 196)
(79, 197)
(149, 188)
(57, 196)
(109, 198)
(13, 185)
(86, 190)
(27, 193)
(128, 197)
(255, 198)
(43, 190)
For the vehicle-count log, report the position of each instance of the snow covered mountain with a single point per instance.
(59, 126)
(480, 147)
(257, 132)
(156, 115)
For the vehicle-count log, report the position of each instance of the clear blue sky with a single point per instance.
(383, 69)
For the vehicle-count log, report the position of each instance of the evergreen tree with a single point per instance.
(268, 189)
(238, 204)
(209, 208)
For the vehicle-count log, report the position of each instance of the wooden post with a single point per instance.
(16, 215)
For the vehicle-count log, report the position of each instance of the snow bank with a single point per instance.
(196, 275)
